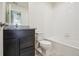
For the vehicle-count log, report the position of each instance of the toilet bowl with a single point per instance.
(45, 44)
(46, 47)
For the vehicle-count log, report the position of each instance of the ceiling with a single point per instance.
(22, 4)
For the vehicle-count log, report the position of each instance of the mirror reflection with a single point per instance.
(17, 13)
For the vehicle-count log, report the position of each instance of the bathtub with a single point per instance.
(64, 46)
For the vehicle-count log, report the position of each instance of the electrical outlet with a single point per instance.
(67, 35)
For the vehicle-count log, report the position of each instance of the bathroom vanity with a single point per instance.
(18, 41)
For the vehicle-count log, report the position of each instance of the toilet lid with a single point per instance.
(45, 42)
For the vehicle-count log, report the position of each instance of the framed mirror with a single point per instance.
(17, 13)
(15, 17)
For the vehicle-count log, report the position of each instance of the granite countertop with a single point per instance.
(12, 27)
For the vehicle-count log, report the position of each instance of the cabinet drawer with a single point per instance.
(9, 34)
(27, 39)
(27, 44)
(30, 53)
(12, 34)
(24, 33)
(27, 51)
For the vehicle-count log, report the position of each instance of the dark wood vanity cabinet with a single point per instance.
(19, 42)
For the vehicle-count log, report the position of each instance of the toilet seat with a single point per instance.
(45, 44)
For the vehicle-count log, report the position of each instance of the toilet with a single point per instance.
(44, 45)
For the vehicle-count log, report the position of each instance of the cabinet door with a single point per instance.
(27, 43)
(11, 47)
(27, 38)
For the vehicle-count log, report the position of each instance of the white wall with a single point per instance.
(62, 19)
(55, 19)
(39, 15)
(36, 15)
(65, 20)
(2, 19)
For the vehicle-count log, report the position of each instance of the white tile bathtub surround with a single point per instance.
(64, 41)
